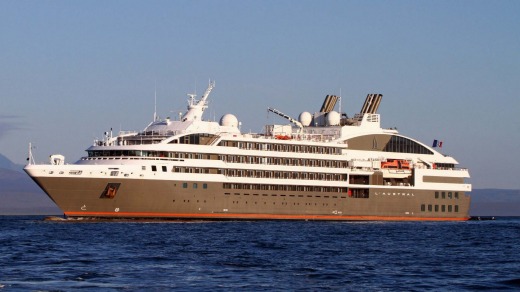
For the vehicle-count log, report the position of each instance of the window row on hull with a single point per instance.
(439, 208)
(274, 187)
(270, 174)
(260, 173)
(311, 191)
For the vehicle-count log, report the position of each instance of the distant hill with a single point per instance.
(19, 195)
(5, 163)
(495, 202)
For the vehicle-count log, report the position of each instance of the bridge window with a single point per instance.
(196, 139)
(405, 145)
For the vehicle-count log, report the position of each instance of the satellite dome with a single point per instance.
(229, 120)
(333, 118)
(305, 118)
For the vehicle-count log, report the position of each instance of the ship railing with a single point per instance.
(131, 158)
(124, 133)
(292, 137)
(168, 133)
(452, 168)
(142, 138)
(441, 168)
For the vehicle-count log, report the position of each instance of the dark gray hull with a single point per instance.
(144, 198)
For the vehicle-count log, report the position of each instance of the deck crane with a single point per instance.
(296, 122)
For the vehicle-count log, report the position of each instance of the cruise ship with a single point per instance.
(320, 166)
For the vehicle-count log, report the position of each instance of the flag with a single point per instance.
(437, 143)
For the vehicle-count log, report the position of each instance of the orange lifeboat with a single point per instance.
(390, 164)
(282, 137)
(396, 164)
(405, 164)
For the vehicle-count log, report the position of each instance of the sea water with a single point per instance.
(258, 255)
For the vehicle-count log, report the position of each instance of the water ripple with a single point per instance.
(260, 256)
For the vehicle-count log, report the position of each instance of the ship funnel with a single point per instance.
(329, 103)
(371, 104)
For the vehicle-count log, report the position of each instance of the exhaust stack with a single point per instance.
(329, 103)
(371, 104)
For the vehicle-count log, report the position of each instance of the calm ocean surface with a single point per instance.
(260, 255)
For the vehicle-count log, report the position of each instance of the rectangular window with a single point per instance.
(143, 167)
(184, 185)
(436, 195)
(456, 195)
(443, 208)
(429, 208)
(443, 195)
(164, 168)
(204, 186)
(436, 208)
(449, 208)
(154, 168)
(450, 195)
(194, 185)
(423, 207)
(456, 208)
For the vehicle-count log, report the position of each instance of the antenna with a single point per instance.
(340, 113)
(155, 103)
(30, 159)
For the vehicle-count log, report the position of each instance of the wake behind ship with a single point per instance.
(321, 166)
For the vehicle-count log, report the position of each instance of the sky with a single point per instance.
(448, 70)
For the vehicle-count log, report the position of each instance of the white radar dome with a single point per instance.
(229, 120)
(333, 118)
(305, 118)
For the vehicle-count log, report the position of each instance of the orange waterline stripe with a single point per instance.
(263, 216)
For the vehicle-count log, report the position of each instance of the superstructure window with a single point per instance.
(405, 145)
(445, 165)
(358, 193)
(195, 139)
